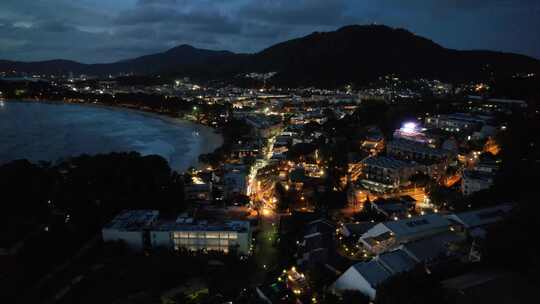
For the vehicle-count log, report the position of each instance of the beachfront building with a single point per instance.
(143, 230)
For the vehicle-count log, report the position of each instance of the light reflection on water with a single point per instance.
(39, 131)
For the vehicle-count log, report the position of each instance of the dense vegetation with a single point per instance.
(52, 210)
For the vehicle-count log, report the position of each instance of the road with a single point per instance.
(262, 194)
(265, 252)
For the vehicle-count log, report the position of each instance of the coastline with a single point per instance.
(211, 139)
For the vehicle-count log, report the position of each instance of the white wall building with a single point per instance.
(457, 122)
(478, 219)
(382, 174)
(365, 277)
(411, 150)
(141, 229)
(388, 235)
(128, 227)
(473, 181)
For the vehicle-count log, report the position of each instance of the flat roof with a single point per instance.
(482, 216)
(138, 220)
(414, 146)
(385, 162)
(132, 220)
(417, 224)
(359, 228)
(466, 117)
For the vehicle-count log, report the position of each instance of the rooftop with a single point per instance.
(385, 162)
(466, 117)
(417, 224)
(133, 220)
(431, 248)
(483, 216)
(359, 228)
(137, 220)
(397, 261)
(417, 147)
(478, 175)
(373, 272)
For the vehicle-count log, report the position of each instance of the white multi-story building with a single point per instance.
(415, 151)
(474, 180)
(128, 226)
(382, 174)
(457, 122)
(142, 230)
(365, 277)
(388, 235)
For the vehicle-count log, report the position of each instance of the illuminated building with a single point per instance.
(411, 150)
(457, 122)
(236, 181)
(382, 174)
(412, 131)
(198, 191)
(388, 235)
(373, 144)
(143, 230)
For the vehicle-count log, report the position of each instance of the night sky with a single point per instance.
(108, 30)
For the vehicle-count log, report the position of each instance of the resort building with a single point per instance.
(415, 151)
(381, 174)
(387, 235)
(365, 277)
(475, 222)
(473, 181)
(457, 122)
(143, 230)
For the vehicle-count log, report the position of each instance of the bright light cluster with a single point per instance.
(409, 127)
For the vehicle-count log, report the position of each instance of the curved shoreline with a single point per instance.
(211, 139)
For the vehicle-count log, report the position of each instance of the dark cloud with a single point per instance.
(54, 26)
(300, 12)
(105, 30)
(203, 20)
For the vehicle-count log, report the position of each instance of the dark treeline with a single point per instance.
(51, 210)
(517, 182)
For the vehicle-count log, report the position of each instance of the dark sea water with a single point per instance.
(41, 131)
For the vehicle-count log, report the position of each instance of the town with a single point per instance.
(358, 194)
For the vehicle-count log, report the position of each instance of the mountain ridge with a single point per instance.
(350, 54)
